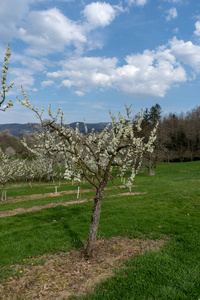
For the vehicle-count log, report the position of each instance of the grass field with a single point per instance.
(170, 207)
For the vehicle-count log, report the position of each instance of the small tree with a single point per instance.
(43, 168)
(5, 88)
(44, 158)
(31, 171)
(10, 169)
(95, 155)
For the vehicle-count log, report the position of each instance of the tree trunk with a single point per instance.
(150, 167)
(48, 177)
(94, 222)
(3, 197)
(154, 164)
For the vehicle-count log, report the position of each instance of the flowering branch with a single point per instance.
(5, 88)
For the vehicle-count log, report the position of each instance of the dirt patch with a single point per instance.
(17, 211)
(67, 274)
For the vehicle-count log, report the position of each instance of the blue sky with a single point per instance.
(88, 57)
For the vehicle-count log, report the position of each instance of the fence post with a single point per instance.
(78, 193)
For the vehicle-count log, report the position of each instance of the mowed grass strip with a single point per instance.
(44, 201)
(24, 189)
(16, 203)
(171, 207)
(20, 189)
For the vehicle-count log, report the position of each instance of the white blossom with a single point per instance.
(5, 89)
(10, 169)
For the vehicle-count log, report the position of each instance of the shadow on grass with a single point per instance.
(74, 237)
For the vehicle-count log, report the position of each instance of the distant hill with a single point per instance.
(90, 126)
(17, 129)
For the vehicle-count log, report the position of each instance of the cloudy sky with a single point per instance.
(88, 57)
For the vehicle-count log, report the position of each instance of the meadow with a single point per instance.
(170, 210)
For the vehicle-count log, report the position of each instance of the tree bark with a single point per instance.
(150, 166)
(94, 222)
(149, 171)
(48, 177)
(3, 197)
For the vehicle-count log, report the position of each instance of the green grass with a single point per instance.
(39, 202)
(58, 199)
(25, 189)
(171, 207)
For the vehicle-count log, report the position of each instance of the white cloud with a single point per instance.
(176, 30)
(136, 2)
(33, 64)
(24, 69)
(197, 26)
(22, 77)
(149, 74)
(12, 13)
(79, 93)
(53, 74)
(99, 14)
(68, 83)
(186, 52)
(85, 73)
(171, 14)
(47, 83)
(50, 30)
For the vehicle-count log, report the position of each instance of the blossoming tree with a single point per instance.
(45, 158)
(37, 169)
(5, 88)
(30, 171)
(10, 169)
(95, 155)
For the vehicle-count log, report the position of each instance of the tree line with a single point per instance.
(178, 135)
